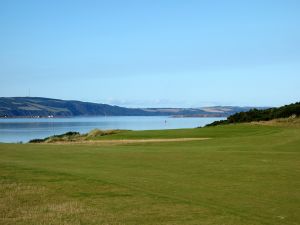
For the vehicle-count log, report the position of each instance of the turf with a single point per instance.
(243, 175)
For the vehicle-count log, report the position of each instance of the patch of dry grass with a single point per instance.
(98, 133)
(28, 204)
(292, 121)
(130, 141)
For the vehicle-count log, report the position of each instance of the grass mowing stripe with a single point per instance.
(219, 209)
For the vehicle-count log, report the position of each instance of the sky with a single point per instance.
(152, 53)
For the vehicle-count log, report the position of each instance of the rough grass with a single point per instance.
(292, 121)
(246, 174)
(99, 133)
(75, 136)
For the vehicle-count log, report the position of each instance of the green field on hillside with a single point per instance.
(244, 174)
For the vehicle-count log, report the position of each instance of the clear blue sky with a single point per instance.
(152, 53)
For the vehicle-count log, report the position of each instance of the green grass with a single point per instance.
(211, 132)
(243, 175)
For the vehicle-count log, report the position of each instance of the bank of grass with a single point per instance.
(292, 121)
(76, 136)
(246, 174)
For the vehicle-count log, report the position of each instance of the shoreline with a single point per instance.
(64, 117)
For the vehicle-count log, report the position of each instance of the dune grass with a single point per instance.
(246, 174)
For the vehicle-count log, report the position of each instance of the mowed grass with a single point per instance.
(243, 175)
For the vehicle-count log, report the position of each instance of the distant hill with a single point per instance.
(47, 107)
(262, 114)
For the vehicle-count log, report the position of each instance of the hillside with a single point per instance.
(46, 107)
(262, 114)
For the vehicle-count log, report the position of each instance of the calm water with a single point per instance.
(25, 129)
